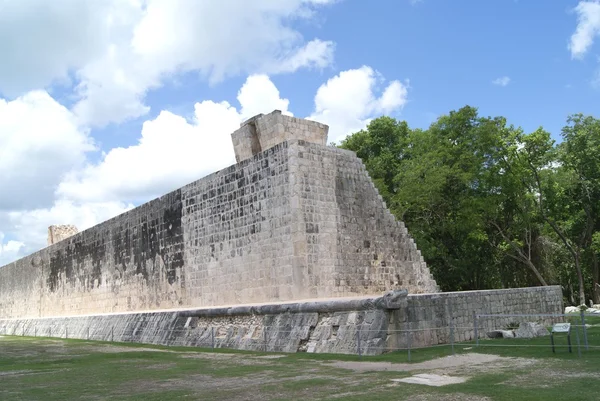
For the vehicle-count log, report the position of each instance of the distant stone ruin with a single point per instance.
(59, 233)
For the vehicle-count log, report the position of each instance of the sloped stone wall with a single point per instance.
(297, 221)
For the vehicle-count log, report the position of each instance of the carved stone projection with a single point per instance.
(59, 233)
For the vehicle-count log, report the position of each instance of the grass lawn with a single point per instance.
(510, 369)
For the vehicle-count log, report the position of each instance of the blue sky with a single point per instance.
(107, 104)
(451, 52)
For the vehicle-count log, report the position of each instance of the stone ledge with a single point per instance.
(390, 301)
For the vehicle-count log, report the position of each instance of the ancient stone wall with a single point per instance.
(367, 325)
(298, 220)
(429, 317)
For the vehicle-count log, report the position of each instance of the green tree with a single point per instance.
(579, 155)
(489, 205)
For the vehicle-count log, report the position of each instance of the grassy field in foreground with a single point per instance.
(51, 369)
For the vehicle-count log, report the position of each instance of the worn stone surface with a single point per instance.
(262, 132)
(431, 316)
(298, 220)
(501, 334)
(59, 233)
(317, 331)
(329, 326)
(531, 330)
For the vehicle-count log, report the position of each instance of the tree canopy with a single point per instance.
(489, 205)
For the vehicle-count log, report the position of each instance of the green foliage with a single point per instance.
(491, 206)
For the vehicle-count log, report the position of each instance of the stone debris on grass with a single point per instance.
(525, 330)
(501, 334)
(429, 379)
(594, 310)
(531, 330)
(447, 362)
(269, 357)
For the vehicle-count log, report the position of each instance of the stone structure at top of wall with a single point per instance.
(292, 220)
(262, 132)
(61, 232)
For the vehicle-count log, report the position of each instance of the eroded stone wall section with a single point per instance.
(346, 240)
(131, 262)
(237, 235)
(429, 316)
(57, 233)
(262, 132)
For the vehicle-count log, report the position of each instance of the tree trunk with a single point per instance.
(595, 278)
(536, 272)
(580, 278)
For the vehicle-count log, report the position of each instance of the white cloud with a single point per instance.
(588, 27)
(41, 41)
(117, 50)
(315, 54)
(9, 250)
(348, 101)
(502, 81)
(172, 151)
(39, 142)
(259, 95)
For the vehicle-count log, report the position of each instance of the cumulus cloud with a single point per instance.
(348, 101)
(588, 27)
(502, 81)
(41, 41)
(172, 151)
(116, 50)
(9, 250)
(40, 141)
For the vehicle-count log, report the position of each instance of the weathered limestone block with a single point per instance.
(262, 132)
(60, 232)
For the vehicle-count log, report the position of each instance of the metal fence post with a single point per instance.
(408, 343)
(88, 332)
(358, 342)
(35, 331)
(585, 339)
(66, 332)
(578, 343)
(476, 334)
(212, 338)
(112, 333)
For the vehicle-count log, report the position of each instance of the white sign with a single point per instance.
(561, 328)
